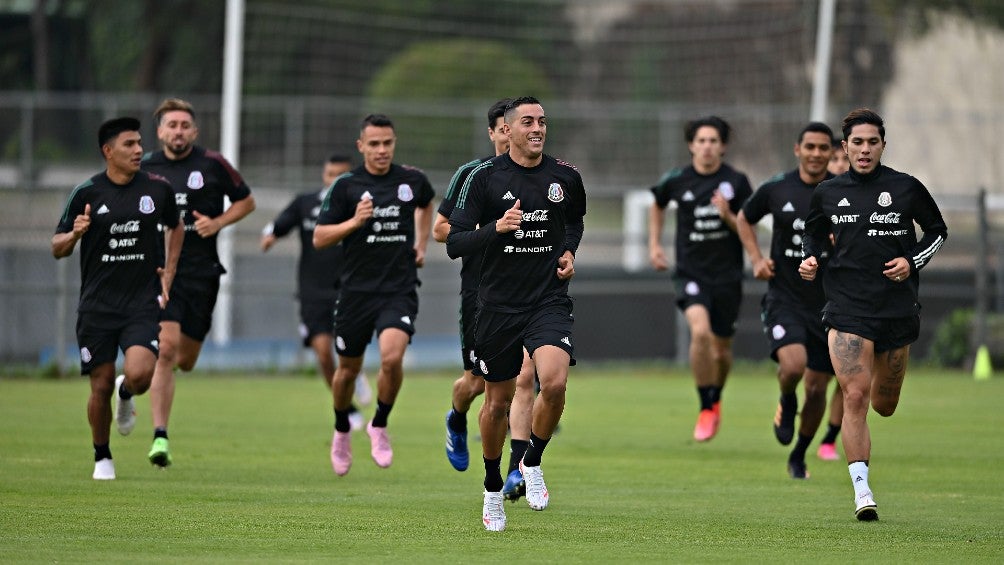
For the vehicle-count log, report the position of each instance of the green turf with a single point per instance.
(251, 479)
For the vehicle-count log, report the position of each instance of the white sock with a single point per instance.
(859, 478)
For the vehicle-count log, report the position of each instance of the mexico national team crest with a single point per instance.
(146, 204)
(726, 190)
(195, 180)
(885, 199)
(554, 193)
(404, 193)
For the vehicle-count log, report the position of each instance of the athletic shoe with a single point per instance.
(159, 454)
(492, 512)
(784, 421)
(363, 394)
(356, 421)
(797, 470)
(707, 425)
(456, 446)
(104, 470)
(125, 410)
(515, 486)
(536, 491)
(867, 510)
(828, 452)
(379, 445)
(341, 452)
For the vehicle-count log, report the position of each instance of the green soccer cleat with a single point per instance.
(159, 454)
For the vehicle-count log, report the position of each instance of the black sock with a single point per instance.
(517, 448)
(342, 420)
(831, 434)
(798, 454)
(123, 393)
(102, 452)
(458, 421)
(493, 474)
(789, 402)
(160, 432)
(382, 411)
(709, 395)
(534, 451)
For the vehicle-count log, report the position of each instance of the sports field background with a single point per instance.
(252, 480)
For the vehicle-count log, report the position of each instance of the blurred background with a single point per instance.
(618, 79)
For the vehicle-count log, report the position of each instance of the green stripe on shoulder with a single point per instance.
(76, 189)
(462, 198)
(453, 187)
(671, 174)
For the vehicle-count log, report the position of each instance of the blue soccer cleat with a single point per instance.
(456, 446)
(514, 487)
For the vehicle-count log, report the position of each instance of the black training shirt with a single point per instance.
(872, 218)
(121, 250)
(319, 270)
(470, 264)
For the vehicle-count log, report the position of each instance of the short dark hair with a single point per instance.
(723, 127)
(863, 116)
(816, 127)
(113, 127)
(340, 158)
(510, 108)
(376, 120)
(497, 111)
(171, 105)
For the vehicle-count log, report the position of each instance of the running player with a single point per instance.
(201, 179)
(792, 307)
(117, 217)
(382, 214)
(871, 282)
(529, 207)
(709, 257)
(318, 273)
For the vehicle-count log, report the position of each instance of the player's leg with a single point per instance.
(520, 420)
(791, 359)
(465, 389)
(492, 422)
(393, 343)
(703, 368)
(828, 445)
(813, 409)
(99, 416)
(323, 346)
(887, 383)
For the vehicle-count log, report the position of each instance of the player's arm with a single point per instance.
(64, 242)
(208, 227)
(763, 268)
(281, 226)
(441, 228)
(172, 251)
(724, 210)
(815, 237)
(656, 254)
(326, 235)
(423, 221)
(573, 236)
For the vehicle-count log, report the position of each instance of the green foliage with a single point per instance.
(926, 12)
(251, 481)
(950, 346)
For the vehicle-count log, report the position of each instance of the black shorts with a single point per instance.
(501, 337)
(101, 335)
(361, 313)
(317, 316)
(191, 305)
(785, 324)
(722, 301)
(468, 324)
(886, 333)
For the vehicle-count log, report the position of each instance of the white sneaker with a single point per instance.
(492, 513)
(866, 510)
(125, 410)
(536, 491)
(104, 470)
(356, 420)
(364, 394)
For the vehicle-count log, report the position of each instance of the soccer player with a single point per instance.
(522, 211)
(709, 257)
(381, 212)
(318, 276)
(117, 217)
(469, 386)
(792, 307)
(871, 282)
(201, 179)
(839, 164)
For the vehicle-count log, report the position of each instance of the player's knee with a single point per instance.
(553, 389)
(855, 399)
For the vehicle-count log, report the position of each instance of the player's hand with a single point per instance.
(419, 257)
(807, 268)
(657, 257)
(267, 241)
(206, 226)
(763, 268)
(166, 280)
(898, 269)
(566, 266)
(82, 222)
(364, 211)
(510, 220)
(721, 203)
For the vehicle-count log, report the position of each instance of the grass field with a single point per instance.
(252, 480)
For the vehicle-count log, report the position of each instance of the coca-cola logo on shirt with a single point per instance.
(535, 216)
(890, 218)
(132, 226)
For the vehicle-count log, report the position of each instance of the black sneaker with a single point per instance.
(784, 420)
